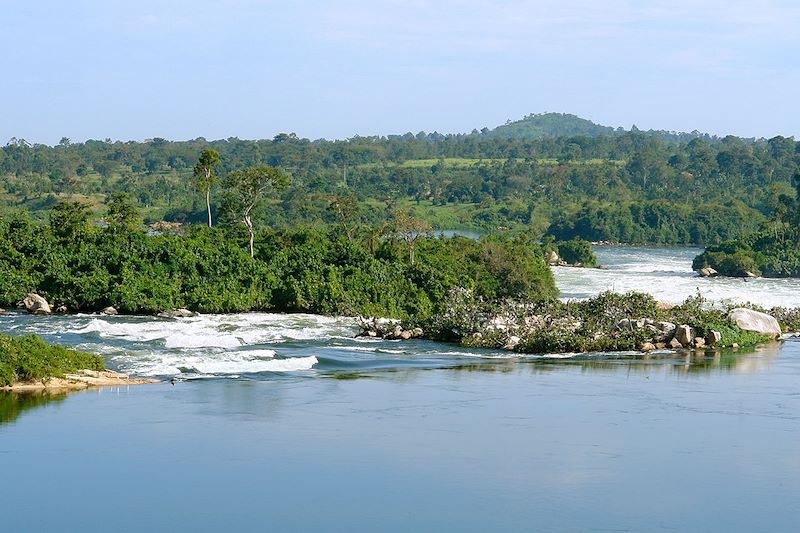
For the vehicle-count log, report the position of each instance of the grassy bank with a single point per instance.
(29, 358)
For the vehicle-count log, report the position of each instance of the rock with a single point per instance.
(61, 309)
(713, 338)
(35, 304)
(735, 345)
(683, 334)
(110, 310)
(405, 335)
(2, 311)
(552, 258)
(624, 325)
(372, 333)
(707, 272)
(417, 332)
(748, 274)
(661, 345)
(674, 344)
(755, 321)
(699, 342)
(647, 347)
(512, 343)
(177, 313)
(666, 327)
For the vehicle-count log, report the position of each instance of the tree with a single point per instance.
(245, 188)
(346, 212)
(69, 220)
(204, 176)
(123, 216)
(410, 230)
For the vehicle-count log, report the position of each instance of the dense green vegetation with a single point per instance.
(28, 358)
(553, 326)
(545, 173)
(577, 252)
(774, 251)
(345, 268)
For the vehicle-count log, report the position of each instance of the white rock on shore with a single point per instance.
(755, 321)
(37, 305)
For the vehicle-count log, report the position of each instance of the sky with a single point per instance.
(180, 69)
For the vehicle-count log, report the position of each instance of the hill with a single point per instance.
(543, 125)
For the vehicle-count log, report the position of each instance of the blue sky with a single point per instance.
(253, 68)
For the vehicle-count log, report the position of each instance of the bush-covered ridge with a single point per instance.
(337, 270)
(29, 358)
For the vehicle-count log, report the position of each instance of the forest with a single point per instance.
(544, 174)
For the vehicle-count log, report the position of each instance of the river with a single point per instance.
(288, 423)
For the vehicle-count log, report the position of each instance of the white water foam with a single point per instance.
(666, 273)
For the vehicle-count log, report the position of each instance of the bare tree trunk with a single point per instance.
(208, 205)
(249, 224)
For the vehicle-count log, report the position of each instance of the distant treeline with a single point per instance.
(598, 183)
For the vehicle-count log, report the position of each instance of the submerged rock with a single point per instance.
(755, 321)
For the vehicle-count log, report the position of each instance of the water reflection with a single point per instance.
(239, 395)
(13, 404)
(740, 361)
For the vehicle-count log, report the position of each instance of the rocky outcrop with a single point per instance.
(177, 313)
(387, 328)
(35, 304)
(755, 321)
(707, 272)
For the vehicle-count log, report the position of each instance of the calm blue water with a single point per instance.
(286, 423)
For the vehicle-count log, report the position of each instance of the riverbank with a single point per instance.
(83, 379)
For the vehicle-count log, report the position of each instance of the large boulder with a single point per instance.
(36, 304)
(683, 334)
(713, 337)
(177, 313)
(551, 257)
(707, 272)
(110, 310)
(754, 321)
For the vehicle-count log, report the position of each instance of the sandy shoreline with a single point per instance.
(84, 379)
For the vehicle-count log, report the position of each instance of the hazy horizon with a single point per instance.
(254, 68)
